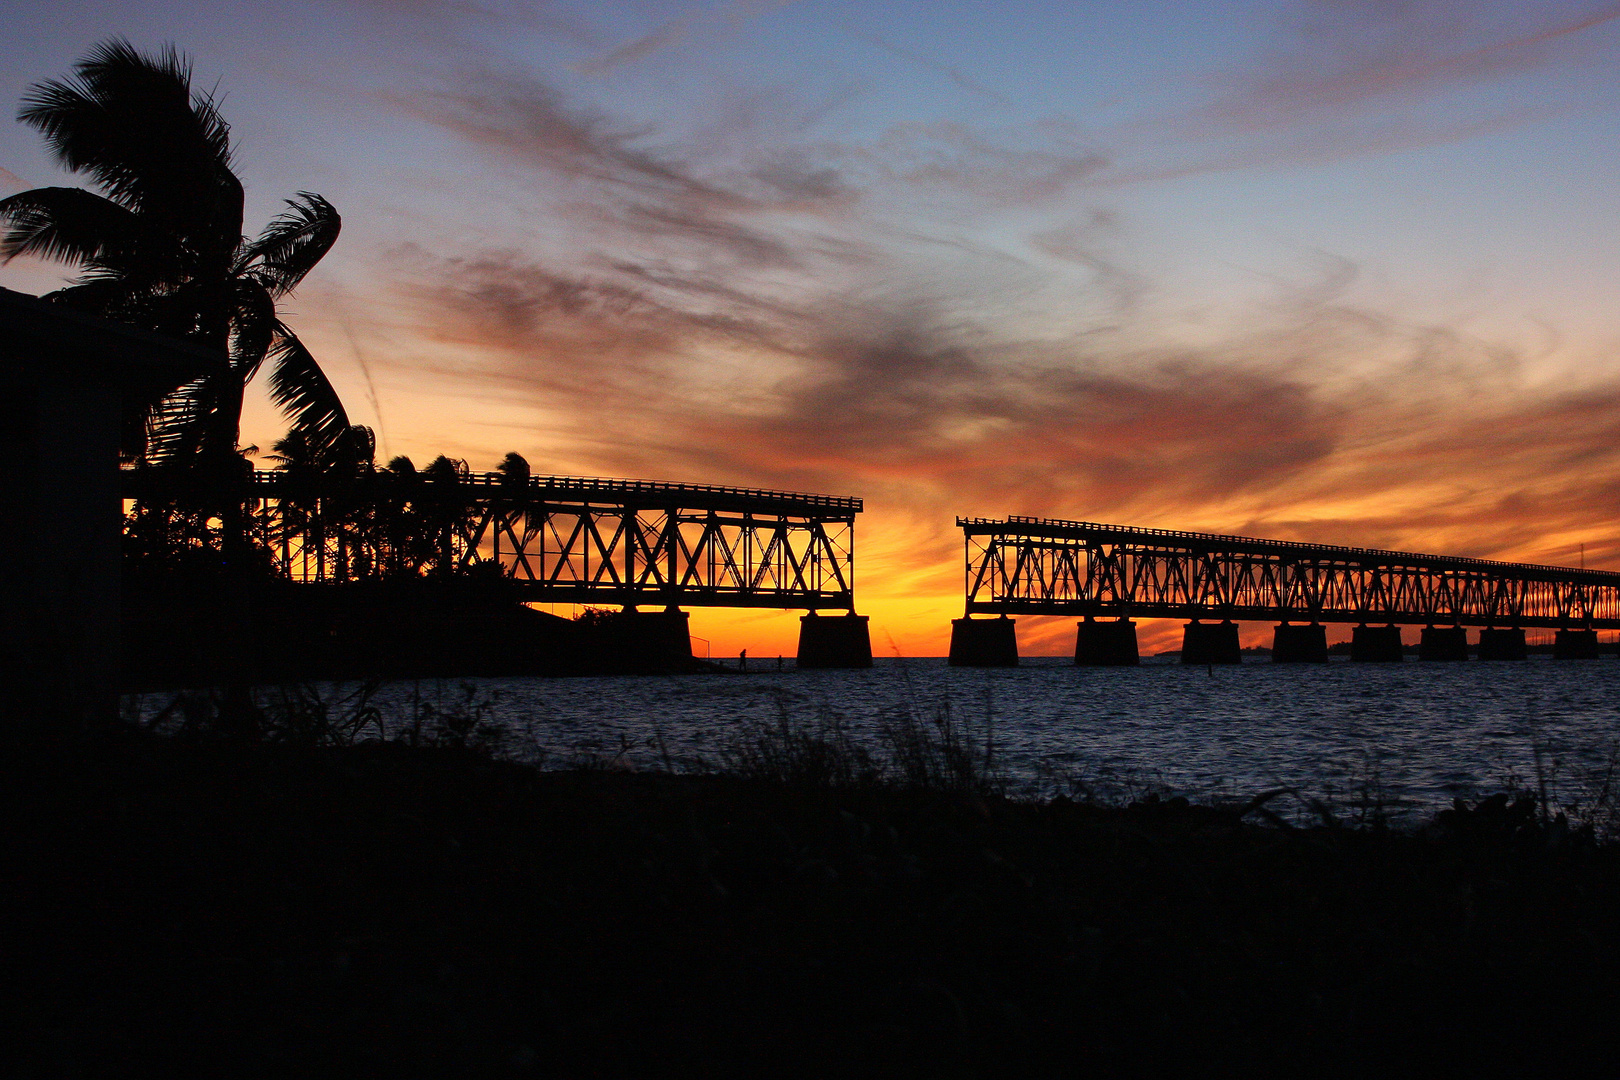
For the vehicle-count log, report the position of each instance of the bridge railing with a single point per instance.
(1039, 528)
(661, 491)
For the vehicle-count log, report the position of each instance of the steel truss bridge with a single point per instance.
(1035, 566)
(581, 540)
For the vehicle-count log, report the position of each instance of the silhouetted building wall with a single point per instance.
(65, 378)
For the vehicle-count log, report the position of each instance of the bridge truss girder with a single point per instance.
(1029, 566)
(590, 554)
(575, 540)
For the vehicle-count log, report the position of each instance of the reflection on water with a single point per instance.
(1425, 732)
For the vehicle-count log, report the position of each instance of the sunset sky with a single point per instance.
(1340, 272)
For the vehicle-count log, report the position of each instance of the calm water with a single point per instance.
(1424, 732)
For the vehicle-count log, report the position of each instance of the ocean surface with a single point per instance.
(1409, 736)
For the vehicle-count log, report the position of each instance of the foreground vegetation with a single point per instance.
(252, 906)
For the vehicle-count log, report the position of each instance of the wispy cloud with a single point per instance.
(1352, 55)
(706, 25)
(949, 71)
(452, 25)
(664, 37)
(1356, 79)
(527, 120)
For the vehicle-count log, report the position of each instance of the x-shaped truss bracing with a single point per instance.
(630, 555)
(1042, 567)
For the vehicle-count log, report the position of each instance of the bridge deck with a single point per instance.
(620, 491)
(1174, 539)
(141, 483)
(1055, 567)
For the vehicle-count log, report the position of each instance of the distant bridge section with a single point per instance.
(1044, 567)
(1109, 574)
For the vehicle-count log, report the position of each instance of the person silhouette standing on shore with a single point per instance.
(742, 660)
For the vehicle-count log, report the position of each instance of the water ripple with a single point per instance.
(1423, 733)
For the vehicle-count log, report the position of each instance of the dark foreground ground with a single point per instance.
(388, 910)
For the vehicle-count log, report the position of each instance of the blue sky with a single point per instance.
(1323, 271)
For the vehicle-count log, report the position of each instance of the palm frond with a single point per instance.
(294, 452)
(134, 301)
(514, 469)
(254, 327)
(132, 124)
(300, 389)
(121, 76)
(356, 448)
(99, 296)
(292, 244)
(177, 427)
(66, 224)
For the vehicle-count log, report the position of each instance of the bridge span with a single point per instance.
(1109, 574)
(600, 542)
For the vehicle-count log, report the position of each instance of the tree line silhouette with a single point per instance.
(337, 515)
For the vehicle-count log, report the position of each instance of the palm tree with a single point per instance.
(317, 513)
(161, 246)
(444, 513)
(514, 470)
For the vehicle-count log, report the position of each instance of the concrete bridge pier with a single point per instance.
(645, 641)
(1443, 643)
(668, 634)
(834, 641)
(1211, 643)
(1299, 644)
(1575, 645)
(983, 643)
(1501, 643)
(1106, 644)
(1376, 644)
